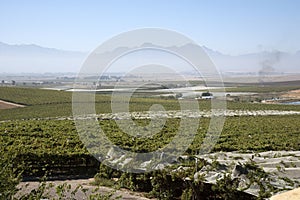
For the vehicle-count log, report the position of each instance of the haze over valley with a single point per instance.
(31, 58)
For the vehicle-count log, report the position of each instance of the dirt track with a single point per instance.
(89, 189)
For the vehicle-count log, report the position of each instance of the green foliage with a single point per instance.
(165, 186)
(177, 182)
(107, 196)
(9, 175)
(259, 106)
(260, 133)
(34, 96)
(44, 145)
(105, 176)
(49, 145)
(226, 187)
(187, 194)
(54, 144)
(262, 89)
(259, 177)
(52, 104)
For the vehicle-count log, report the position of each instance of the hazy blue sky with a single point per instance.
(230, 26)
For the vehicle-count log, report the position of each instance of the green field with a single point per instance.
(41, 134)
(59, 137)
(36, 135)
(51, 104)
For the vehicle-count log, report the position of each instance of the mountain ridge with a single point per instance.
(32, 57)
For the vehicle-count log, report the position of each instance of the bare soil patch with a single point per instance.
(294, 94)
(9, 105)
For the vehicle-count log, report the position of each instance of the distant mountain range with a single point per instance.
(34, 58)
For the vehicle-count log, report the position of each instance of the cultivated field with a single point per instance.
(40, 139)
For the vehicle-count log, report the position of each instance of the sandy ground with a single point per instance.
(8, 105)
(294, 94)
(26, 187)
(290, 195)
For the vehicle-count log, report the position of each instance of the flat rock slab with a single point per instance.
(290, 195)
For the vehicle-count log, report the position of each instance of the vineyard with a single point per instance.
(52, 104)
(43, 138)
(40, 139)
